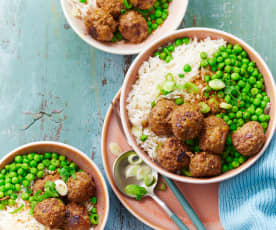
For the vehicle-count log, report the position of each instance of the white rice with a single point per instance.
(79, 9)
(151, 74)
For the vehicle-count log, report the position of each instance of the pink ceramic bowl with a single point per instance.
(80, 159)
(200, 33)
(177, 9)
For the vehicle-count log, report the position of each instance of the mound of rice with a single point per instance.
(79, 9)
(152, 73)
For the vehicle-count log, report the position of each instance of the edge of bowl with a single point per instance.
(150, 162)
(62, 145)
(107, 49)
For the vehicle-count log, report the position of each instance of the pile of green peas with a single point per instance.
(165, 52)
(24, 169)
(244, 91)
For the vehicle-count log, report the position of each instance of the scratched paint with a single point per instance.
(49, 75)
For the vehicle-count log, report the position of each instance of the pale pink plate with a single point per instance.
(177, 10)
(203, 198)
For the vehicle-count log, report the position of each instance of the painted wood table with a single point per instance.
(56, 87)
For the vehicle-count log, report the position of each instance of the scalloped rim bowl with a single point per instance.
(177, 10)
(200, 33)
(80, 159)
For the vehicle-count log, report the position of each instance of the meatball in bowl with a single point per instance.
(199, 105)
(54, 186)
(123, 27)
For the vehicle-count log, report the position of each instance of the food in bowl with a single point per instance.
(115, 20)
(201, 100)
(46, 191)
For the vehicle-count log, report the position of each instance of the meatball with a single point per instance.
(204, 164)
(249, 139)
(213, 136)
(143, 4)
(133, 27)
(187, 121)
(113, 7)
(100, 24)
(39, 184)
(76, 217)
(50, 212)
(160, 117)
(172, 154)
(80, 189)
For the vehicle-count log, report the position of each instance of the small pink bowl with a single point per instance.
(177, 10)
(200, 33)
(80, 159)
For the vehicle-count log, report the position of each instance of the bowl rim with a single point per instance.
(150, 162)
(103, 47)
(62, 145)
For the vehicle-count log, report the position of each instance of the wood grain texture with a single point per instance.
(55, 87)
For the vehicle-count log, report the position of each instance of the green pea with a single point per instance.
(235, 164)
(72, 165)
(185, 41)
(17, 187)
(158, 13)
(262, 118)
(171, 48)
(30, 177)
(11, 202)
(168, 59)
(203, 55)
(233, 127)
(33, 170)
(214, 68)
(37, 157)
(204, 63)
(237, 49)
(252, 80)
(254, 118)
(159, 21)
(24, 196)
(15, 180)
(33, 163)
(227, 99)
(212, 61)
(239, 114)
(165, 5)
(55, 156)
(162, 56)
(40, 174)
(178, 42)
(256, 101)
(46, 162)
(47, 155)
(264, 125)
(187, 68)
(52, 167)
(179, 101)
(235, 76)
(18, 159)
(220, 94)
(30, 156)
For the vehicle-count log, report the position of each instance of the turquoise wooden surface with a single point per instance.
(56, 87)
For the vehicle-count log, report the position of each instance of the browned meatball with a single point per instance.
(213, 135)
(249, 139)
(50, 212)
(187, 121)
(160, 117)
(76, 217)
(133, 27)
(172, 154)
(80, 189)
(39, 184)
(204, 165)
(100, 24)
(143, 4)
(114, 7)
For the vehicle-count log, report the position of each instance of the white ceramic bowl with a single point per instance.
(177, 10)
(200, 33)
(80, 159)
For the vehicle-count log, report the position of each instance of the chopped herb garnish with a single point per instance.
(162, 187)
(18, 209)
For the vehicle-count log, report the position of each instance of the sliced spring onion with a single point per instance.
(168, 86)
(134, 159)
(186, 172)
(149, 180)
(142, 172)
(18, 209)
(224, 105)
(115, 148)
(162, 187)
(94, 200)
(216, 84)
(190, 87)
(204, 108)
(169, 77)
(61, 187)
(131, 170)
(135, 190)
(94, 219)
(127, 5)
